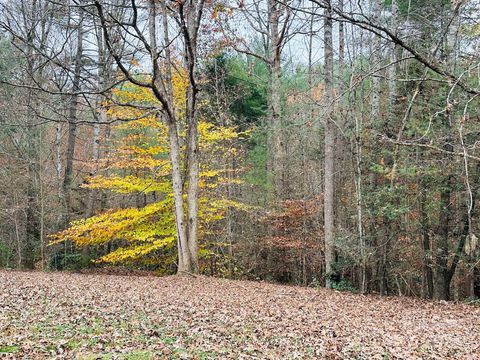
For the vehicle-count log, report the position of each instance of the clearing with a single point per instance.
(62, 315)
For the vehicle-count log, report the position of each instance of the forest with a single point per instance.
(322, 143)
(239, 179)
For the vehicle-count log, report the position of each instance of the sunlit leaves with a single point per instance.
(139, 164)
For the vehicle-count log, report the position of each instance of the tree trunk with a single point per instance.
(184, 259)
(442, 281)
(72, 123)
(275, 101)
(392, 74)
(32, 225)
(102, 81)
(184, 262)
(359, 197)
(427, 253)
(376, 79)
(193, 177)
(192, 152)
(187, 232)
(58, 158)
(329, 169)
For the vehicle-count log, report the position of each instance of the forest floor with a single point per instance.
(63, 315)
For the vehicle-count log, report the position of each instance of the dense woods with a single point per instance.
(324, 143)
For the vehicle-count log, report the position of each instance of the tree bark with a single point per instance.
(72, 122)
(32, 222)
(392, 74)
(427, 252)
(442, 282)
(184, 258)
(275, 100)
(103, 74)
(329, 168)
(376, 79)
(193, 177)
(192, 155)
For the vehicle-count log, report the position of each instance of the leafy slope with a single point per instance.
(116, 317)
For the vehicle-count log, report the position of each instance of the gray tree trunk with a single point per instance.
(378, 4)
(72, 123)
(275, 100)
(184, 258)
(329, 168)
(103, 74)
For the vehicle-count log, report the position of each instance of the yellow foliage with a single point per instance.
(127, 184)
(139, 163)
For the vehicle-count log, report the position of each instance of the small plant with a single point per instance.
(316, 283)
(344, 285)
(473, 301)
(72, 262)
(8, 349)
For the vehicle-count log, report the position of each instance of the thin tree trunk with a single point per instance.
(193, 177)
(41, 201)
(32, 232)
(376, 79)
(72, 122)
(359, 196)
(442, 283)
(329, 168)
(102, 80)
(275, 101)
(427, 252)
(341, 144)
(17, 235)
(392, 73)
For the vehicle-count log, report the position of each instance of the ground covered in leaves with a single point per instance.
(61, 315)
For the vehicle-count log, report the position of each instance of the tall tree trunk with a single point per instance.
(359, 195)
(389, 226)
(184, 259)
(329, 169)
(101, 115)
(443, 274)
(275, 100)
(72, 122)
(192, 18)
(375, 119)
(32, 226)
(193, 177)
(341, 143)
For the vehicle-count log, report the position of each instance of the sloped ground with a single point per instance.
(59, 315)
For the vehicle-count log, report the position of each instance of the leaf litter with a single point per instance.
(79, 316)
